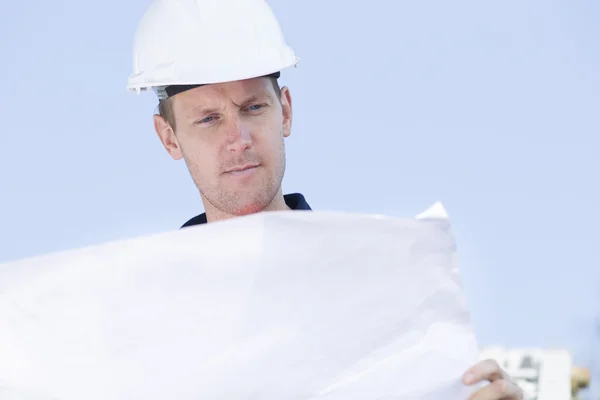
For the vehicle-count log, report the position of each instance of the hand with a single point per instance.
(500, 387)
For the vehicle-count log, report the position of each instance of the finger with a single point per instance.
(484, 370)
(501, 389)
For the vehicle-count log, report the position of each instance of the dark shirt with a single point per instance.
(295, 201)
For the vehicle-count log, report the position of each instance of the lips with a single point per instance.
(242, 170)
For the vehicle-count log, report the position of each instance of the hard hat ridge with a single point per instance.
(165, 92)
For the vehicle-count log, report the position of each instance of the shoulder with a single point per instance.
(197, 220)
(296, 201)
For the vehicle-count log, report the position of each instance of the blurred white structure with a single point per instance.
(543, 374)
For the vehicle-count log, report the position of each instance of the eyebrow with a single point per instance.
(253, 99)
(200, 110)
(206, 110)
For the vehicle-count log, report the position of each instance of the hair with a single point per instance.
(165, 107)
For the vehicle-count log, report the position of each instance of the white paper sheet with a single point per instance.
(292, 305)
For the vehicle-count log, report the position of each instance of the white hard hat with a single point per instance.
(187, 43)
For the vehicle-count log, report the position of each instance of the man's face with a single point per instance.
(231, 136)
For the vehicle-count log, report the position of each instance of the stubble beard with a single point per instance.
(238, 202)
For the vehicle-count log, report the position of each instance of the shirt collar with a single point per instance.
(295, 201)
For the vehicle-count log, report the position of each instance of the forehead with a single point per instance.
(237, 91)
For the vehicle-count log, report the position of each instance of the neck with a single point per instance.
(214, 214)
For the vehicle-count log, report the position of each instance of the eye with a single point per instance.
(206, 120)
(255, 107)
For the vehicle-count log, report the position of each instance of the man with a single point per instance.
(231, 136)
(214, 65)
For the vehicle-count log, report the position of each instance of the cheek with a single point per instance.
(200, 158)
(270, 140)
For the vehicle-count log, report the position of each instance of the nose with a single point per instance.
(239, 137)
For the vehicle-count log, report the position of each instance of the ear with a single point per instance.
(286, 109)
(167, 136)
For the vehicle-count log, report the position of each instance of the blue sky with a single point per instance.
(489, 107)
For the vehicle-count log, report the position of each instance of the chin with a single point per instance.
(249, 208)
(241, 201)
